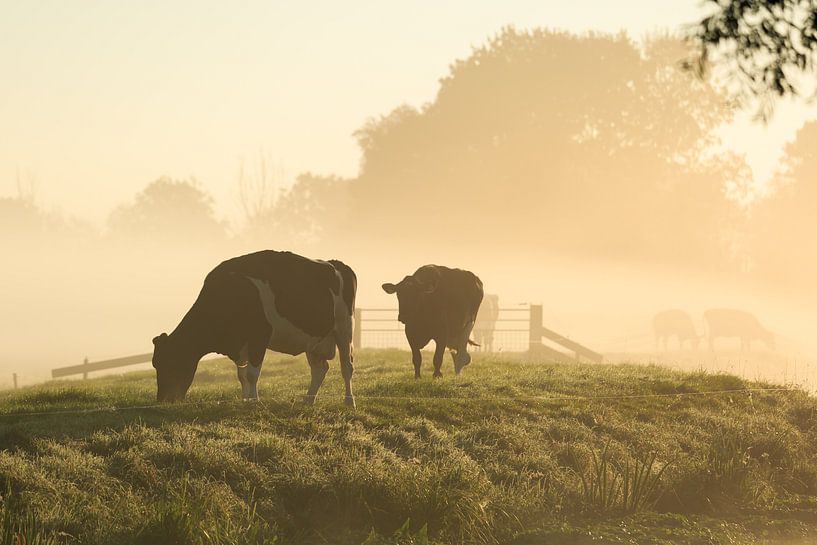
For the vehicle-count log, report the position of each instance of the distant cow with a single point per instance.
(486, 322)
(266, 300)
(441, 304)
(674, 323)
(724, 322)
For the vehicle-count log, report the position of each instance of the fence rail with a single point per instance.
(507, 333)
(87, 367)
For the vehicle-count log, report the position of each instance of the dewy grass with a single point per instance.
(21, 527)
(496, 455)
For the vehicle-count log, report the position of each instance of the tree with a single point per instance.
(259, 188)
(587, 145)
(168, 209)
(309, 212)
(19, 216)
(783, 224)
(768, 47)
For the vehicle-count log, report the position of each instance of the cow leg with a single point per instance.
(319, 367)
(439, 352)
(417, 360)
(248, 374)
(346, 370)
(249, 383)
(242, 363)
(248, 377)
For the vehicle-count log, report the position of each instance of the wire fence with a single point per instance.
(379, 328)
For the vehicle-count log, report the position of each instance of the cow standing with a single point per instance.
(725, 322)
(265, 300)
(438, 303)
(674, 323)
(486, 322)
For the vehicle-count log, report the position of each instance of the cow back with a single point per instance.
(303, 287)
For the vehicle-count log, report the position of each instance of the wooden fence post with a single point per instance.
(85, 374)
(535, 328)
(356, 329)
(14, 375)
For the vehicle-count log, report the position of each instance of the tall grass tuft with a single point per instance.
(22, 528)
(640, 487)
(601, 484)
(631, 486)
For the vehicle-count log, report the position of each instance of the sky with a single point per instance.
(100, 98)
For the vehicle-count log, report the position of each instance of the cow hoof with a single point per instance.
(250, 399)
(417, 377)
(349, 401)
(309, 399)
(437, 374)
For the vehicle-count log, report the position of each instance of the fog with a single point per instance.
(580, 172)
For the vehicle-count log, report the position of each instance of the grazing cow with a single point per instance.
(441, 304)
(676, 323)
(486, 322)
(725, 322)
(265, 300)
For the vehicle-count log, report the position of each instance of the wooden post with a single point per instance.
(14, 375)
(535, 328)
(356, 329)
(85, 374)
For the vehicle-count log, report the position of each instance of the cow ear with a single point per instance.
(389, 288)
(160, 339)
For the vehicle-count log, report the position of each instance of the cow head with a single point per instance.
(411, 291)
(174, 372)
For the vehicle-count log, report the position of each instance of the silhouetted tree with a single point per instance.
(259, 186)
(541, 139)
(168, 209)
(310, 211)
(19, 216)
(767, 46)
(783, 225)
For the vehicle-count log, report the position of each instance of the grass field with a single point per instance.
(506, 453)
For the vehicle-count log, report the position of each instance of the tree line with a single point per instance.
(543, 141)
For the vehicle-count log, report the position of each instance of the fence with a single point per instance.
(86, 367)
(516, 330)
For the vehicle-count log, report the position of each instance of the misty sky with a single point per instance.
(100, 98)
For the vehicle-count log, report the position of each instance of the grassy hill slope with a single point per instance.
(513, 451)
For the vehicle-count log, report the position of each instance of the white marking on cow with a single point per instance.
(288, 338)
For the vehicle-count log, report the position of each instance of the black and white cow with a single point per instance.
(265, 300)
(441, 304)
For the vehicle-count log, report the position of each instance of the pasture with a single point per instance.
(516, 450)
